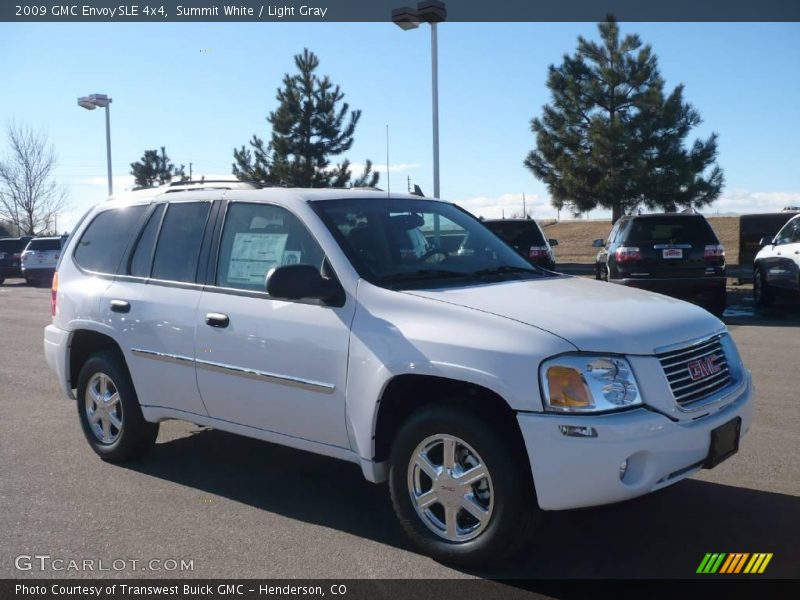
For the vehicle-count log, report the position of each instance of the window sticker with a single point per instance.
(291, 257)
(253, 254)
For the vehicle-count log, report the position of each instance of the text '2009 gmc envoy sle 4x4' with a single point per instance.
(484, 389)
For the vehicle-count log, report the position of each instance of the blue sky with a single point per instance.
(202, 89)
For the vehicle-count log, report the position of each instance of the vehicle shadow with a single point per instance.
(662, 535)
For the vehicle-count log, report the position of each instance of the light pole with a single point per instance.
(101, 101)
(432, 12)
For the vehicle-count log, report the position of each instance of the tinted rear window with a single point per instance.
(46, 244)
(671, 230)
(518, 234)
(11, 245)
(102, 245)
(179, 242)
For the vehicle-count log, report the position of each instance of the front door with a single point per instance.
(275, 365)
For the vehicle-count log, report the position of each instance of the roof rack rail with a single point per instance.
(204, 181)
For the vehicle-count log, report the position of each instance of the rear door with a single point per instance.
(152, 305)
(673, 246)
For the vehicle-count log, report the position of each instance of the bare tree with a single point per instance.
(30, 199)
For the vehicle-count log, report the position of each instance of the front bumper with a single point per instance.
(56, 351)
(573, 472)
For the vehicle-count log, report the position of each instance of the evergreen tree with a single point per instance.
(155, 169)
(311, 124)
(613, 138)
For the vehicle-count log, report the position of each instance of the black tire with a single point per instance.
(30, 281)
(718, 303)
(597, 274)
(515, 510)
(135, 436)
(2, 280)
(763, 295)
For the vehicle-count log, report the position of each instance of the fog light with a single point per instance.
(623, 468)
(578, 431)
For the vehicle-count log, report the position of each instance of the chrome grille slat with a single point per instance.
(675, 353)
(691, 356)
(673, 382)
(675, 364)
(714, 377)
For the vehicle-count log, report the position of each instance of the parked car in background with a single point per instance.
(677, 254)
(10, 256)
(776, 268)
(39, 259)
(527, 238)
(484, 390)
(752, 229)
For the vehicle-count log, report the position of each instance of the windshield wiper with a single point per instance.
(422, 274)
(503, 269)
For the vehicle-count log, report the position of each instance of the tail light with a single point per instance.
(714, 251)
(54, 294)
(537, 252)
(627, 254)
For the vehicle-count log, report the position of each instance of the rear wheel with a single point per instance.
(458, 489)
(109, 410)
(762, 293)
(2, 280)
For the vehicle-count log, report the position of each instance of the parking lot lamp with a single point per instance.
(101, 101)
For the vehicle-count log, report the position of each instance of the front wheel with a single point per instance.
(109, 410)
(459, 489)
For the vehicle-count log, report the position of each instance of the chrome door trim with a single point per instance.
(298, 382)
(163, 356)
(307, 384)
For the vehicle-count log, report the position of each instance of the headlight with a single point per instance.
(585, 383)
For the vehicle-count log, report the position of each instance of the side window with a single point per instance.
(179, 242)
(786, 235)
(102, 245)
(796, 235)
(258, 237)
(143, 254)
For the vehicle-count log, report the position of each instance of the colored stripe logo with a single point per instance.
(734, 563)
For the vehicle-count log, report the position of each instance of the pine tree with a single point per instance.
(155, 169)
(612, 138)
(311, 124)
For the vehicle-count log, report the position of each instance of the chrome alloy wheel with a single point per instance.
(450, 488)
(103, 408)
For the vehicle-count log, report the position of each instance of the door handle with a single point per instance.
(120, 306)
(215, 319)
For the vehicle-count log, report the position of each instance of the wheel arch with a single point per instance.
(405, 394)
(83, 344)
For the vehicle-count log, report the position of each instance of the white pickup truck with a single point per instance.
(485, 390)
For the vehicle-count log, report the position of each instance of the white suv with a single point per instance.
(776, 268)
(38, 261)
(483, 389)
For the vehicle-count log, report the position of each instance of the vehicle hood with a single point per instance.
(592, 315)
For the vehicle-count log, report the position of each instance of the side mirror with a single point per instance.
(552, 242)
(765, 241)
(303, 282)
(598, 244)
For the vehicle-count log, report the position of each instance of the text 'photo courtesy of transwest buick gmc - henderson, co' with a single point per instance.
(388, 331)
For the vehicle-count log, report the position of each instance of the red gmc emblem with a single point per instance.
(703, 367)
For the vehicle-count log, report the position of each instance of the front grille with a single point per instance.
(692, 371)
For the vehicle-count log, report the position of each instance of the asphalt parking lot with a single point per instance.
(243, 508)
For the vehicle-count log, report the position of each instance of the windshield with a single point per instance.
(400, 242)
(12, 245)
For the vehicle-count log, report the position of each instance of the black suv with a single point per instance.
(10, 256)
(674, 254)
(527, 238)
